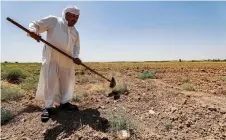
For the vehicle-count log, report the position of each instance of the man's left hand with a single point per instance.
(77, 61)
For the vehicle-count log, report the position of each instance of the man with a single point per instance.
(57, 77)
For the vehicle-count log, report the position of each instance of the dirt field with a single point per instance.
(184, 101)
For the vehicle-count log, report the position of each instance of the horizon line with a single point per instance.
(126, 61)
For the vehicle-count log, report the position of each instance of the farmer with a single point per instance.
(57, 78)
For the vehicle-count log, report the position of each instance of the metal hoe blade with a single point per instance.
(112, 83)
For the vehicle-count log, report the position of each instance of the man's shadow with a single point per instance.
(68, 122)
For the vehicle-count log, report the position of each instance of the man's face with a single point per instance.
(71, 18)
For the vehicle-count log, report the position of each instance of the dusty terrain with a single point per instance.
(185, 101)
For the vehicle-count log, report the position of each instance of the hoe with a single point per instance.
(112, 81)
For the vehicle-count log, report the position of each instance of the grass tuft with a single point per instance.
(15, 76)
(147, 75)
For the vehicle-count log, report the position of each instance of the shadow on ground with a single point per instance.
(68, 122)
(28, 109)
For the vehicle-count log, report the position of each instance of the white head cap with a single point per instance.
(71, 9)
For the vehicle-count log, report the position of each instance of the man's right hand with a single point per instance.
(77, 61)
(35, 35)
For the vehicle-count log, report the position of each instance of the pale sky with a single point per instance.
(124, 31)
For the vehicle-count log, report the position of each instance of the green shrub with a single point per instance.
(15, 76)
(10, 93)
(147, 75)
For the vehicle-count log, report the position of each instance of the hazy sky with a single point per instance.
(124, 31)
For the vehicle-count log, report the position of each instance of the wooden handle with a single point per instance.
(18, 25)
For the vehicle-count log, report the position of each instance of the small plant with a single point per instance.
(15, 76)
(187, 80)
(6, 115)
(147, 75)
(119, 121)
(188, 87)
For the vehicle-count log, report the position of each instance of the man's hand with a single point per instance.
(35, 35)
(77, 61)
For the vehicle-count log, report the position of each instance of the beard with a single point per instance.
(72, 23)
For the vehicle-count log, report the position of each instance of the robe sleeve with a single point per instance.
(43, 24)
(76, 49)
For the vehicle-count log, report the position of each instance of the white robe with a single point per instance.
(57, 76)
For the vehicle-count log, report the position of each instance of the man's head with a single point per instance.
(71, 15)
(71, 18)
